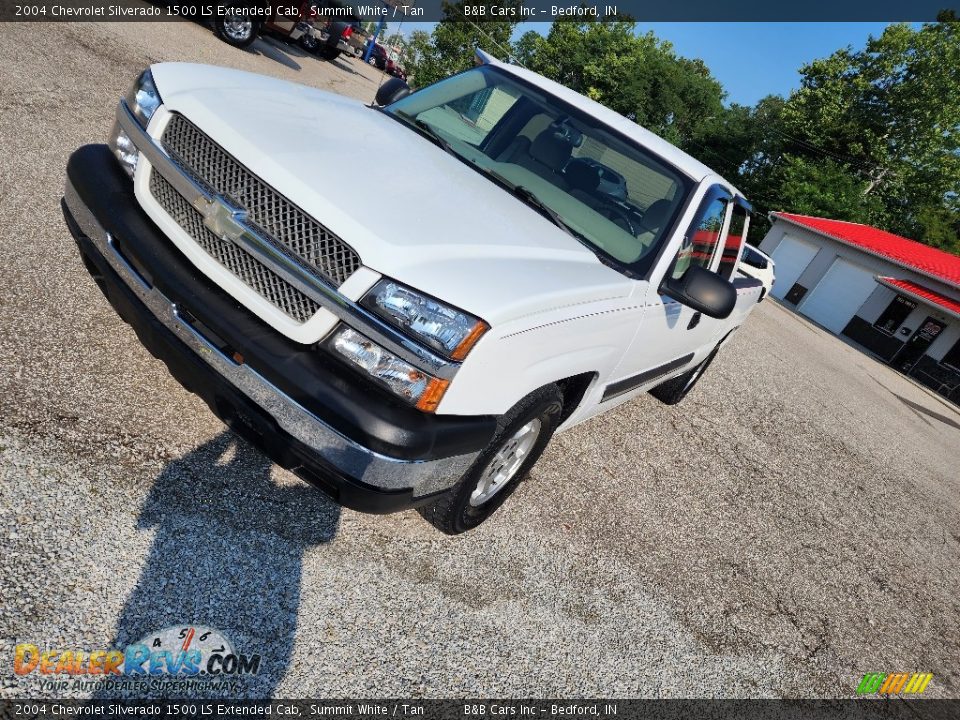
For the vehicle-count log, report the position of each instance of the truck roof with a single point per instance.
(668, 151)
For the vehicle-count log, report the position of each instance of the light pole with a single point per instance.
(373, 40)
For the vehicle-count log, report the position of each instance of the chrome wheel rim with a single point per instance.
(236, 28)
(504, 465)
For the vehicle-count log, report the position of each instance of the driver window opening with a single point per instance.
(700, 245)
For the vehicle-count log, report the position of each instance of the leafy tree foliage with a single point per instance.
(414, 49)
(639, 76)
(871, 136)
(394, 40)
(450, 47)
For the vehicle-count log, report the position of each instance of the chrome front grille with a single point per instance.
(251, 271)
(271, 213)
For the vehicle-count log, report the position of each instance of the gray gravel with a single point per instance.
(790, 526)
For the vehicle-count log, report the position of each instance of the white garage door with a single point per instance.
(841, 292)
(791, 258)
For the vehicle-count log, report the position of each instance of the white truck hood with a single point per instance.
(411, 211)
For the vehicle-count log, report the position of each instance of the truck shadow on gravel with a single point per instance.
(282, 53)
(227, 555)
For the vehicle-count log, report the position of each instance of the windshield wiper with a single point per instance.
(537, 204)
(528, 198)
(518, 191)
(427, 129)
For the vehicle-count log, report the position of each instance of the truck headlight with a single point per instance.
(398, 376)
(142, 98)
(123, 149)
(450, 331)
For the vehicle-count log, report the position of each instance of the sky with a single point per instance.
(751, 60)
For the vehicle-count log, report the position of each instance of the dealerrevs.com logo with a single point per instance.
(187, 654)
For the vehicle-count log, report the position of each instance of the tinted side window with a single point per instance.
(700, 245)
(753, 259)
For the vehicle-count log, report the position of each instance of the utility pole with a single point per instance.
(874, 181)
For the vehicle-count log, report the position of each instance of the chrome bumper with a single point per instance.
(352, 459)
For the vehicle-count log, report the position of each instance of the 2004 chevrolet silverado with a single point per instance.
(548, 260)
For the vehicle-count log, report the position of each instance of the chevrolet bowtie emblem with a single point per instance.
(221, 219)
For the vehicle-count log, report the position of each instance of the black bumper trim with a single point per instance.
(236, 411)
(333, 392)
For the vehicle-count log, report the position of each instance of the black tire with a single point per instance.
(673, 391)
(453, 512)
(234, 35)
(329, 53)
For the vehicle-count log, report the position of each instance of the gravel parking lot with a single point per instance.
(792, 525)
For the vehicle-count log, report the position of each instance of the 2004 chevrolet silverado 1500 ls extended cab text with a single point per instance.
(414, 349)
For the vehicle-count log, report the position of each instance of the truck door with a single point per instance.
(671, 336)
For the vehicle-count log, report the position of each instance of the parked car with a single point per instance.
(392, 68)
(358, 40)
(335, 38)
(240, 23)
(379, 57)
(292, 21)
(757, 264)
(315, 28)
(422, 350)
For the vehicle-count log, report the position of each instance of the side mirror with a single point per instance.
(702, 290)
(391, 91)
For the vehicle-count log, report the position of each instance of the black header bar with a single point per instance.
(487, 709)
(488, 11)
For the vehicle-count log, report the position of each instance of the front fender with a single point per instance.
(507, 365)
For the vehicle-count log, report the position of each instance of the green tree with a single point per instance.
(888, 117)
(639, 76)
(395, 40)
(455, 39)
(414, 51)
(940, 227)
(823, 186)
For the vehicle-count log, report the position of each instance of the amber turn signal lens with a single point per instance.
(460, 352)
(432, 395)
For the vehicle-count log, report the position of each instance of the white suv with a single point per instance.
(414, 349)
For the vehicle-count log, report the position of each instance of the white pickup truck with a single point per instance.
(541, 260)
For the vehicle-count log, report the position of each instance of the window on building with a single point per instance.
(952, 358)
(896, 312)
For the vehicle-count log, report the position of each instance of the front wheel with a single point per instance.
(521, 437)
(237, 29)
(329, 53)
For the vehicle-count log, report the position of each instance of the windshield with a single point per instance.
(609, 192)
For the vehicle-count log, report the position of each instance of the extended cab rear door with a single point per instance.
(671, 336)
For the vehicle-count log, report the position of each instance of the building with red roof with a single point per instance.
(896, 298)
